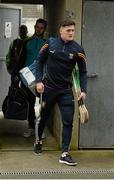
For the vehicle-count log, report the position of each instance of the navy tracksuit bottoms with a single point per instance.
(65, 100)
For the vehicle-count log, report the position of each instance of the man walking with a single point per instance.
(60, 56)
(29, 53)
(13, 55)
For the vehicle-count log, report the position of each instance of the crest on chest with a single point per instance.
(71, 56)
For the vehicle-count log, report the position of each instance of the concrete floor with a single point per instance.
(24, 164)
(17, 160)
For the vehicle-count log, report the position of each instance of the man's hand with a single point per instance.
(16, 78)
(40, 87)
(82, 96)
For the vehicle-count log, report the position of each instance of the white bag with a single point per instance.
(27, 75)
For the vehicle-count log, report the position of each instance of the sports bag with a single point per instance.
(27, 75)
(15, 105)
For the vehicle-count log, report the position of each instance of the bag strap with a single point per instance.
(41, 102)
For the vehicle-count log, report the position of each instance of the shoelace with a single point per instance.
(68, 155)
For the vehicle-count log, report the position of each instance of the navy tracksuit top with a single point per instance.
(59, 59)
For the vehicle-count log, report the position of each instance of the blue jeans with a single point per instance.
(65, 100)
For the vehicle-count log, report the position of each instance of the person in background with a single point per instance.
(13, 55)
(13, 63)
(60, 56)
(29, 53)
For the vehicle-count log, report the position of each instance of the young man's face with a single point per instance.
(67, 32)
(39, 29)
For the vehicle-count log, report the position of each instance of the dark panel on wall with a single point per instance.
(23, 1)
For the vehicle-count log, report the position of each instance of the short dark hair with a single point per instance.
(23, 27)
(43, 21)
(67, 22)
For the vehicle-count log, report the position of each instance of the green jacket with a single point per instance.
(13, 55)
(31, 50)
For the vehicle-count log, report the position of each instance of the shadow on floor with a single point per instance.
(11, 136)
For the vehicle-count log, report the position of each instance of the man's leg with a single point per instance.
(49, 99)
(31, 116)
(31, 113)
(66, 105)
